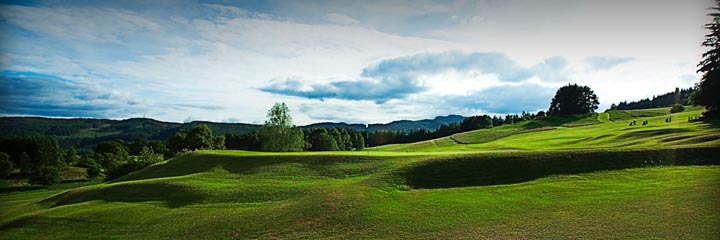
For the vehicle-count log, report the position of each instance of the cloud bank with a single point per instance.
(597, 63)
(379, 91)
(28, 93)
(398, 78)
(377, 61)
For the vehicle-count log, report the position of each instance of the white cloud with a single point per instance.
(216, 57)
(340, 19)
(79, 23)
(597, 63)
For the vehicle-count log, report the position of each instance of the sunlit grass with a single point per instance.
(600, 180)
(609, 134)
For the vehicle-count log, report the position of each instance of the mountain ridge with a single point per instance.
(86, 132)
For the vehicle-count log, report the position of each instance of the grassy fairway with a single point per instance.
(657, 181)
(594, 132)
(216, 195)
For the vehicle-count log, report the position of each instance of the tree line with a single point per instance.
(679, 96)
(43, 161)
(278, 134)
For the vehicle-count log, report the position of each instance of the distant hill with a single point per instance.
(401, 125)
(86, 132)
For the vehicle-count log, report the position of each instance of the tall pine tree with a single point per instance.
(709, 85)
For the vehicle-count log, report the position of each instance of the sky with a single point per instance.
(349, 61)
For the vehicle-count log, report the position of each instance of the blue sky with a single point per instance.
(353, 61)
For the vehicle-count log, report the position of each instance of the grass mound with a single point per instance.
(233, 194)
(207, 177)
(505, 168)
(170, 194)
(336, 166)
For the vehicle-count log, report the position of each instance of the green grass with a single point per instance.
(587, 177)
(629, 115)
(319, 196)
(586, 133)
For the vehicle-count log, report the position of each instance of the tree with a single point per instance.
(6, 165)
(540, 115)
(178, 143)
(335, 133)
(708, 89)
(159, 146)
(93, 168)
(246, 141)
(476, 122)
(137, 145)
(573, 99)
(346, 143)
(47, 165)
(279, 115)
(219, 143)
(33, 154)
(278, 133)
(111, 154)
(322, 141)
(358, 141)
(200, 137)
(47, 175)
(71, 156)
(24, 162)
(148, 157)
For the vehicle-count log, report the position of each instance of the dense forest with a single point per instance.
(85, 133)
(664, 100)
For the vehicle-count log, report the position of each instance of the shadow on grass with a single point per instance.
(565, 120)
(21, 189)
(24, 188)
(508, 168)
(44, 222)
(699, 139)
(173, 195)
(712, 123)
(652, 133)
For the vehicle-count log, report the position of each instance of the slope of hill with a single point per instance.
(591, 134)
(234, 194)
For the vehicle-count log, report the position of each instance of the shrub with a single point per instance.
(677, 108)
